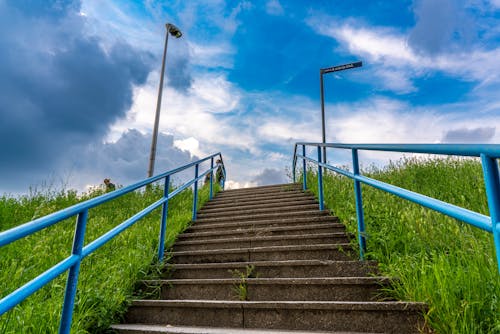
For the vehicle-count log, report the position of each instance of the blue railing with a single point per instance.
(488, 154)
(79, 251)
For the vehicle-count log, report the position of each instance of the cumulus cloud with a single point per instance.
(474, 135)
(440, 25)
(270, 176)
(273, 7)
(60, 88)
(126, 160)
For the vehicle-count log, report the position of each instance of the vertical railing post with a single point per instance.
(211, 178)
(164, 214)
(359, 206)
(72, 281)
(304, 184)
(492, 183)
(320, 180)
(195, 192)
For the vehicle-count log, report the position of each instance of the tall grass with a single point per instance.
(107, 277)
(438, 260)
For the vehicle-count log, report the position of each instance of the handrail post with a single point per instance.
(304, 184)
(72, 281)
(294, 163)
(320, 181)
(359, 206)
(164, 214)
(195, 192)
(211, 178)
(492, 183)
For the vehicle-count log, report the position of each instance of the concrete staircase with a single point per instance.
(266, 260)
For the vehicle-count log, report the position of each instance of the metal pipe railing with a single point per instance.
(488, 154)
(80, 251)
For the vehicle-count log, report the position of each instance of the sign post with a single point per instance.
(324, 71)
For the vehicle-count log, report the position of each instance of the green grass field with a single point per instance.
(107, 277)
(438, 260)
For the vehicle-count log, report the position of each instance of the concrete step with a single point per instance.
(284, 186)
(260, 241)
(268, 289)
(288, 229)
(269, 253)
(169, 329)
(257, 196)
(270, 269)
(386, 317)
(285, 209)
(270, 203)
(285, 221)
(263, 216)
(263, 189)
(247, 200)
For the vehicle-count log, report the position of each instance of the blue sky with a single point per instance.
(80, 78)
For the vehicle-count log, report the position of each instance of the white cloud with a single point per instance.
(191, 145)
(273, 7)
(398, 64)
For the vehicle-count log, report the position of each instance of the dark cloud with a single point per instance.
(178, 72)
(126, 161)
(440, 25)
(476, 135)
(60, 90)
(271, 176)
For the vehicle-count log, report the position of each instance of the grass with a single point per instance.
(438, 260)
(107, 277)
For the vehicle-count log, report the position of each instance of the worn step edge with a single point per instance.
(316, 305)
(284, 187)
(261, 230)
(258, 199)
(291, 214)
(169, 329)
(267, 222)
(230, 265)
(263, 238)
(272, 209)
(270, 186)
(260, 193)
(371, 280)
(254, 195)
(263, 249)
(272, 203)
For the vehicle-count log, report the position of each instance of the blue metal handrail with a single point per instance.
(79, 251)
(488, 154)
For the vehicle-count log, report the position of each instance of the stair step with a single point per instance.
(280, 269)
(292, 195)
(262, 231)
(169, 329)
(254, 241)
(257, 211)
(257, 196)
(271, 253)
(268, 204)
(265, 222)
(386, 317)
(261, 216)
(261, 190)
(269, 289)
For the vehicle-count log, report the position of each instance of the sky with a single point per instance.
(79, 83)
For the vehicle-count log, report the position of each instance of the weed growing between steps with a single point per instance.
(438, 260)
(107, 277)
(241, 288)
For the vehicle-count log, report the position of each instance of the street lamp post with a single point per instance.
(174, 31)
(322, 94)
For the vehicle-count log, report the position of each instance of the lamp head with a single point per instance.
(173, 30)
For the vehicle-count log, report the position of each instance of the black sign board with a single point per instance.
(342, 67)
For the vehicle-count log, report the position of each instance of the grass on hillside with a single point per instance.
(438, 260)
(107, 277)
